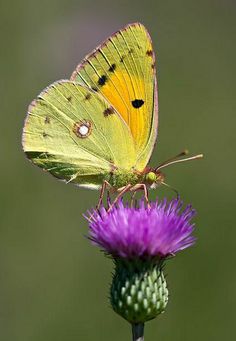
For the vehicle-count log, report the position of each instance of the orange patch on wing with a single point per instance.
(131, 90)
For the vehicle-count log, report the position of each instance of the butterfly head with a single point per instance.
(154, 178)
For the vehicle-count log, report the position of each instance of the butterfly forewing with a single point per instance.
(122, 70)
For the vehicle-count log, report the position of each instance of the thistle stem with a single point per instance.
(138, 331)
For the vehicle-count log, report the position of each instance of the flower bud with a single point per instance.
(138, 291)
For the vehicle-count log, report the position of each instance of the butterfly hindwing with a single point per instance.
(122, 70)
(76, 135)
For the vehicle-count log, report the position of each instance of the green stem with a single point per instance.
(138, 331)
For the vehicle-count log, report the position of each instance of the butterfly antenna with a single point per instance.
(172, 188)
(183, 153)
(171, 162)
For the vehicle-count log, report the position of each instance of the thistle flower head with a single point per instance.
(158, 231)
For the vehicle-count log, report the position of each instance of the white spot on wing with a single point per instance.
(83, 130)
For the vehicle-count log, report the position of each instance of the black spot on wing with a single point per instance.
(87, 97)
(112, 68)
(94, 88)
(137, 103)
(108, 111)
(69, 98)
(102, 80)
(47, 120)
(149, 53)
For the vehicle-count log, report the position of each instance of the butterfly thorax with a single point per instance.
(121, 178)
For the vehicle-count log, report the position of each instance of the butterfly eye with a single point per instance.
(82, 129)
(151, 177)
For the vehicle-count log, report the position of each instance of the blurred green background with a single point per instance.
(53, 283)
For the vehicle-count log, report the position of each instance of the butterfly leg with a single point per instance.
(143, 187)
(132, 198)
(122, 191)
(104, 186)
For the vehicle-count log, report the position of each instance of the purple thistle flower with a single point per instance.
(159, 231)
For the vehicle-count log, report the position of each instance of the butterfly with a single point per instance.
(99, 128)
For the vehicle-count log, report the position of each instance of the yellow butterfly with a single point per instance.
(99, 128)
